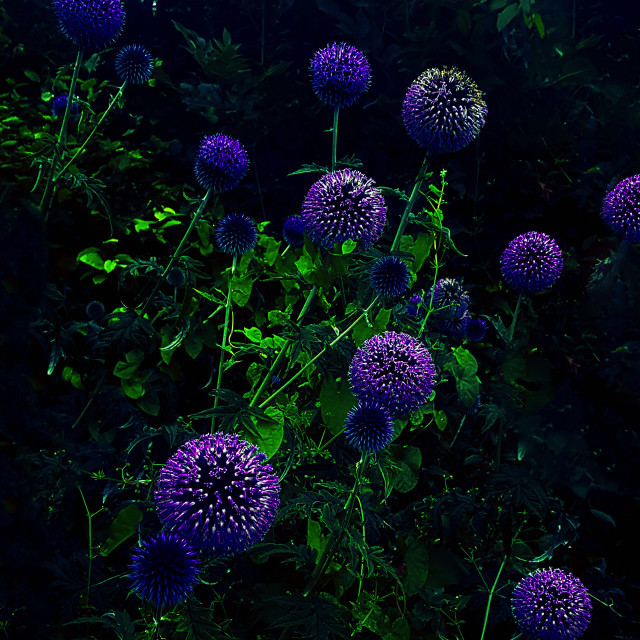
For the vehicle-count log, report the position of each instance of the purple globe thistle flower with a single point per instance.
(95, 310)
(340, 74)
(163, 570)
(621, 209)
(449, 299)
(60, 104)
(531, 263)
(368, 426)
(293, 231)
(550, 604)
(134, 64)
(444, 110)
(414, 304)
(221, 163)
(236, 234)
(90, 24)
(218, 493)
(394, 369)
(453, 327)
(344, 205)
(475, 329)
(390, 277)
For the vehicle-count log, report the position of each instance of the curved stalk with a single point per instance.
(334, 141)
(412, 200)
(493, 588)
(515, 317)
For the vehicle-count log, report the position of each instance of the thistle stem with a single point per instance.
(515, 317)
(225, 331)
(176, 253)
(102, 117)
(62, 139)
(493, 588)
(412, 200)
(334, 143)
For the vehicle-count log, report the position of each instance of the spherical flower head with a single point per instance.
(236, 234)
(532, 262)
(134, 64)
(293, 231)
(415, 304)
(449, 300)
(90, 24)
(474, 329)
(444, 110)
(368, 426)
(60, 104)
(344, 205)
(621, 209)
(395, 370)
(95, 310)
(163, 570)
(176, 277)
(390, 277)
(453, 327)
(340, 74)
(221, 163)
(550, 604)
(218, 493)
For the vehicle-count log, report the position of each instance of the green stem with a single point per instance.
(334, 142)
(493, 588)
(102, 117)
(410, 203)
(47, 196)
(515, 317)
(89, 518)
(176, 253)
(329, 346)
(225, 331)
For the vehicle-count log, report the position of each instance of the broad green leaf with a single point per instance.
(335, 403)
(363, 331)
(416, 558)
(91, 256)
(315, 539)
(241, 290)
(507, 15)
(407, 461)
(123, 527)
(268, 433)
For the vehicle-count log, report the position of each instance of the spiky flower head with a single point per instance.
(95, 310)
(293, 231)
(390, 277)
(453, 327)
(550, 604)
(90, 24)
(163, 570)
(450, 300)
(60, 104)
(368, 426)
(395, 370)
(474, 329)
(176, 277)
(218, 493)
(134, 64)
(236, 234)
(340, 74)
(344, 205)
(621, 209)
(532, 262)
(221, 163)
(414, 304)
(444, 110)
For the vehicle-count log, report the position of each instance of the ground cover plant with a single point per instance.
(322, 333)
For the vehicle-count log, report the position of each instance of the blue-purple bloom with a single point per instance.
(368, 426)
(340, 74)
(60, 104)
(293, 231)
(444, 110)
(532, 262)
(390, 277)
(218, 493)
(394, 369)
(134, 64)
(414, 304)
(221, 163)
(95, 310)
(163, 570)
(448, 299)
(550, 604)
(621, 209)
(90, 24)
(344, 205)
(236, 234)
(474, 328)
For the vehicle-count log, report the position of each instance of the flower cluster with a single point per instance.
(621, 209)
(90, 24)
(221, 163)
(395, 370)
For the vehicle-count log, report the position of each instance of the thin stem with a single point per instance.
(176, 253)
(329, 346)
(410, 203)
(62, 138)
(334, 143)
(515, 317)
(225, 331)
(96, 391)
(89, 517)
(493, 588)
(102, 117)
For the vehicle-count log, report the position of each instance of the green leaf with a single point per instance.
(269, 432)
(466, 360)
(335, 404)
(315, 539)
(91, 256)
(133, 387)
(348, 246)
(123, 527)
(363, 331)
(416, 558)
(253, 334)
(406, 461)
(400, 630)
(507, 15)
(440, 418)
(537, 20)
(241, 290)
